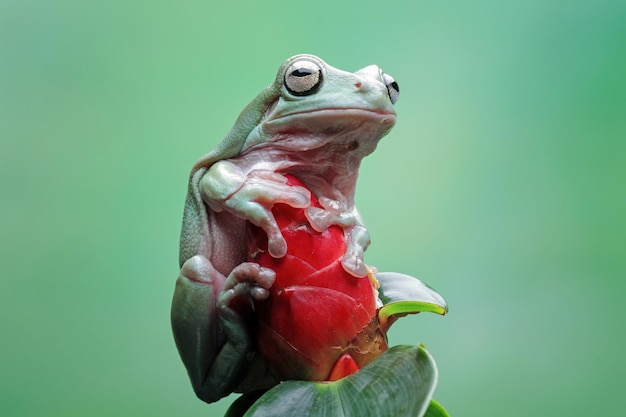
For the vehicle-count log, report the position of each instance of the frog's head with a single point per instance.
(317, 104)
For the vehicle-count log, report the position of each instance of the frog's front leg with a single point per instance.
(357, 235)
(209, 323)
(251, 196)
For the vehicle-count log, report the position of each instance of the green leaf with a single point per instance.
(436, 410)
(395, 287)
(403, 294)
(400, 382)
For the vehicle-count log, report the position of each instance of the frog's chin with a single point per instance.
(331, 121)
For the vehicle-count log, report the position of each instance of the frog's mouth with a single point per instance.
(331, 121)
(331, 115)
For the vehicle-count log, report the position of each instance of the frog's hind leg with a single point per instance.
(211, 332)
(194, 317)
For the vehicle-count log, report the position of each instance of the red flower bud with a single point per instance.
(319, 322)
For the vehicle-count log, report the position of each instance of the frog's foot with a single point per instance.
(217, 361)
(246, 280)
(233, 361)
(251, 197)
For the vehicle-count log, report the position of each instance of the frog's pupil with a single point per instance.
(302, 72)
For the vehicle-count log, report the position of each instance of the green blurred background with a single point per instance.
(502, 186)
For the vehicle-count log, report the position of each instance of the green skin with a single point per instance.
(316, 125)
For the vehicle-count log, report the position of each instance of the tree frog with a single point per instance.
(314, 122)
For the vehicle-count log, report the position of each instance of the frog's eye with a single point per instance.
(392, 88)
(303, 78)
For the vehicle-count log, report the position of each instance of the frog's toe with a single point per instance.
(354, 265)
(248, 279)
(259, 293)
(276, 244)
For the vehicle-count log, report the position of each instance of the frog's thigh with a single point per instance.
(194, 316)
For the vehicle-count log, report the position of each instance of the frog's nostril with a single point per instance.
(358, 85)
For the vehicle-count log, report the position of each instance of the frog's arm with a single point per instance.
(250, 196)
(211, 333)
(357, 235)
